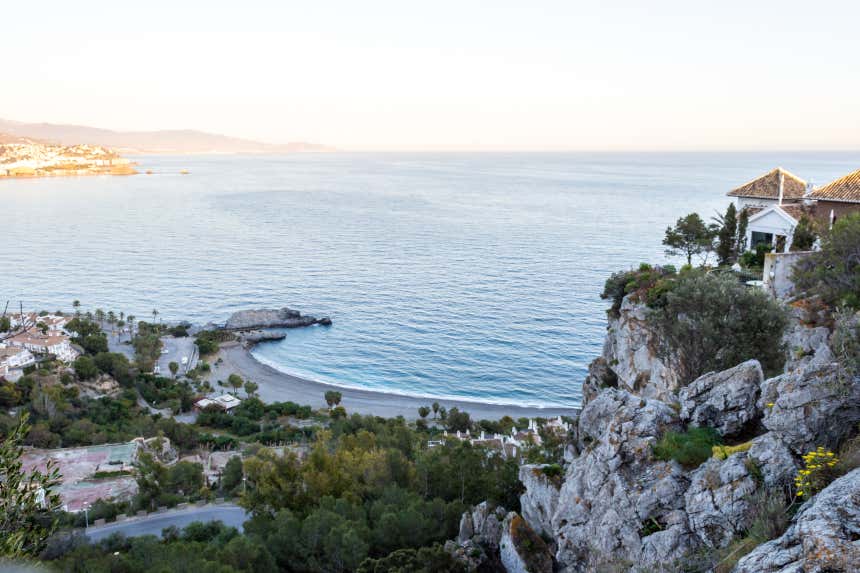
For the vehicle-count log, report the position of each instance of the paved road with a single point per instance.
(229, 514)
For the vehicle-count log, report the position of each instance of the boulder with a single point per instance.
(817, 405)
(615, 494)
(630, 351)
(540, 499)
(600, 376)
(718, 502)
(271, 318)
(725, 401)
(823, 538)
(774, 459)
(521, 549)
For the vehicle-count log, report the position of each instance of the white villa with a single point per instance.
(778, 200)
(54, 342)
(12, 360)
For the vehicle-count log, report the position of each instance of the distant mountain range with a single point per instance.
(165, 141)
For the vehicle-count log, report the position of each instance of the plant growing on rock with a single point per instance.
(690, 448)
(817, 472)
(833, 273)
(711, 322)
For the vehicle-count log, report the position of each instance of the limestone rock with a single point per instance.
(725, 401)
(255, 336)
(271, 318)
(521, 549)
(823, 537)
(600, 376)
(467, 530)
(630, 350)
(717, 502)
(806, 345)
(810, 407)
(540, 499)
(615, 489)
(774, 459)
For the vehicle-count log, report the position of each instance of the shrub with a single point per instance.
(690, 448)
(817, 472)
(85, 368)
(712, 322)
(648, 282)
(755, 259)
(833, 273)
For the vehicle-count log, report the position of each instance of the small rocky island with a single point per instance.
(272, 318)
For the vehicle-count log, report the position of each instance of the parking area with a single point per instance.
(174, 350)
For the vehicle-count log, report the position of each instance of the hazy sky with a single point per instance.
(493, 74)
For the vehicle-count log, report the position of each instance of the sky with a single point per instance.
(465, 74)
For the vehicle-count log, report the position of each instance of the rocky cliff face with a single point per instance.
(630, 353)
(621, 509)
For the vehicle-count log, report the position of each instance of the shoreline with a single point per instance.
(277, 386)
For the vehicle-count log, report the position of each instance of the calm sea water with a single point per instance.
(463, 275)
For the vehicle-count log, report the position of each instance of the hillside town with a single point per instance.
(25, 157)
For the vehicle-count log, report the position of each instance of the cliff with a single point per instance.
(620, 507)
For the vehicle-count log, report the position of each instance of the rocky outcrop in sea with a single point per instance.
(272, 318)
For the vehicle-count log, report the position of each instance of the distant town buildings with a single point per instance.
(29, 158)
(509, 446)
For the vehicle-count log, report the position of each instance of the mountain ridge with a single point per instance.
(170, 141)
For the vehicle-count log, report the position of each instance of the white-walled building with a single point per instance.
(54, 342)
(13, 359)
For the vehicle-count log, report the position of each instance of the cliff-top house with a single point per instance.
(778, 200)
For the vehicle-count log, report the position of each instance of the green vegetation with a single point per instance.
(5, 324)
(333, 398)
(755, 259)
(690, 236)
(690, 448)
(25, 521)
(647, 284)
(147, 345)
(207, 341)
(833, 273)
(712, 322)
(805, 235)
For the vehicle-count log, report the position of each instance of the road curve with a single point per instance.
(230, 514)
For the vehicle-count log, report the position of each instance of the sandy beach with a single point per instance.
(276, 386)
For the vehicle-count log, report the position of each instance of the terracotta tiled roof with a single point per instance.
(798, 210)
(767, 186)
(845, 189)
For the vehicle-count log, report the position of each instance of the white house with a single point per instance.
(775, 225)
(13, 359)
(225, 401)
(54, 342)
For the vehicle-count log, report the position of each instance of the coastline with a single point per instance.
(277, 386)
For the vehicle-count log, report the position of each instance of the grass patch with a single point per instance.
(690, 448)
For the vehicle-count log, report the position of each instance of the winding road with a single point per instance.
(151, 524)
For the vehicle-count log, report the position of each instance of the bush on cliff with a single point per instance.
(833, 273)
(648, 283)
(712, 322)
(690, 448)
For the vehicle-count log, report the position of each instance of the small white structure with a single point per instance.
(225, 402)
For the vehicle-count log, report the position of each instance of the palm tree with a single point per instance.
(100, 316)
(77, 306)
(131, 318)
(154, 314)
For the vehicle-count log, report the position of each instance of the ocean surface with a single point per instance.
(474, 276)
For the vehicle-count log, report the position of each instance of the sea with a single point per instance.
(474, 276)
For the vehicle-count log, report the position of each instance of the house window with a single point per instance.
(759, 238)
